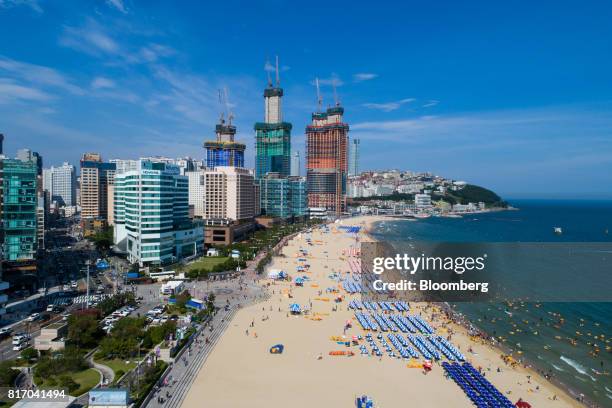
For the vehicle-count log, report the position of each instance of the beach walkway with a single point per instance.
(182, 373)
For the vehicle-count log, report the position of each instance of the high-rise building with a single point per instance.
(151, 215)
(187, 164)
(295, 164)
(60, 182)
(19, 218)
(96, 176)
(222, 193)
(1, 191)
(298, 196)
(273, 136)
(121, 166)
(224, 151)
(282, 197)
(327, 159)
(353, 168)
(42, 217)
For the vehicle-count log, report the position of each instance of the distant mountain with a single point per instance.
(472, 194)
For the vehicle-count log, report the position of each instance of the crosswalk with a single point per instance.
(64, 300)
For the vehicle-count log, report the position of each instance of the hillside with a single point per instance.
(470, 193)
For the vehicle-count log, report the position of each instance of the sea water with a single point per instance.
(571, 341)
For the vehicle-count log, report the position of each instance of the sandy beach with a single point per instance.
(241, 372)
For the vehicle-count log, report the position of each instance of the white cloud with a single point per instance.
(430, 103)
(118, 5)
(364, 76)
(37, 74)
(101, 83)
(90, 39)
(388, 106)
(151, 53)
(541, 125)
(334, 79)
(33, 4)
(11, 92)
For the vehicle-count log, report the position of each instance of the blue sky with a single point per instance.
(515, 96)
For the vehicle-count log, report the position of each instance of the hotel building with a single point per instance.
(223, 192)
(151, 214)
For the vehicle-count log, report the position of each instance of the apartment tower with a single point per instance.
(327, 160)
(95, 179)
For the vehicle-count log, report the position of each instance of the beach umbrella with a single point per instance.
(522, 404)
(277, 349)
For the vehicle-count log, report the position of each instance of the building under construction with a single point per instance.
(327, 160)
(224, 151)
(273, 136)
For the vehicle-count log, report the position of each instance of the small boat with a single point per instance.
(558, 230)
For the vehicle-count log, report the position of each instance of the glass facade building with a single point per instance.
(283, 197)
(151, 211)
(273, 149)
(19, 215)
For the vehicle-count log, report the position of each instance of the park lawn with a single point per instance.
(206, 262)
(87, 379)
(117, 364)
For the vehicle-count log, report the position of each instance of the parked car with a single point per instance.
(21, 346)
(5, 332)
(20, 338)
(33, 317)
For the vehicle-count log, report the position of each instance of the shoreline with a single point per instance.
(465, 323)
(241, 360)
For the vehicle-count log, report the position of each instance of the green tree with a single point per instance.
(83, 330)
(103, 240)
(7, 374)
(29, 354)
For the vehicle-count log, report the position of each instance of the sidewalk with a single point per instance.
(182, 373)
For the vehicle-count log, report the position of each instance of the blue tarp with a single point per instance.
(195, 304)
(102, 265)
(295, 308)
(115, 397)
